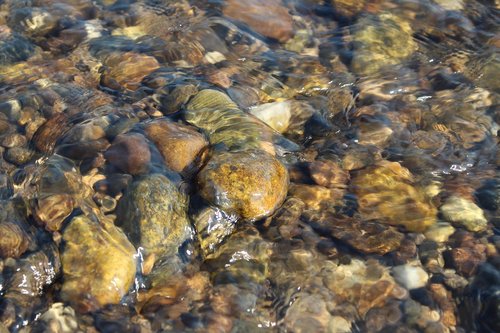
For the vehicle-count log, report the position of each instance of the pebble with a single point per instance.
(411, 277)
(14, 140)
(440, 232)
(464, 213)
(277, 115)
(129, 153)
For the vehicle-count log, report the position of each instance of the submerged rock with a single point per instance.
(15, 237)
(107, 270)
(465, 213)
(386, 192)
(178, 144)
(129, 153)
(269, 18)
(127, 70)
(225, 124)
(381, 41)
(251, 183)
(153, 213)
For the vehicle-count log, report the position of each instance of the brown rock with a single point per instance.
(267, 17)
(129, 153)
(46, 135)
(251, 183)
(178, 144)
(127, 70)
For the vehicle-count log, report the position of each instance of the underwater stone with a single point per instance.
(107, 270)
(251, 183)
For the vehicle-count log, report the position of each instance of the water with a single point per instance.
(249, 166)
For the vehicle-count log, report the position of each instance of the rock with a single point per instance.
(212, 226)
(439, 232)
(49, 132)
(348, 8)
(386, 192)
(32, 21)
(276, 115)
(366, 237)
(317, 197)
(178, 144)
(126, 70)
(14, 140)
(107, 270)
(380, 41)
(226, 125)
(328, 174)
(308, 313)
(488, 195)
(153, 213)
(129, 153)
(15, 238)
(250, 183)
(365, 285)
(269, 18)
(60, 318)
(411, 277)
(464, 213)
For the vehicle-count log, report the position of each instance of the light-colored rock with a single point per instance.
(277, 115)
(464, 213)
(411, 277)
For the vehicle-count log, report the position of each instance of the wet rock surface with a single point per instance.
(249, 166)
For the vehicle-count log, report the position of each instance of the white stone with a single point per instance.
(411, 277)
(276, 115)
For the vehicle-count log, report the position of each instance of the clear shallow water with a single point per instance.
(225, 166)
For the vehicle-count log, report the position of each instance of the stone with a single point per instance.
(386, 192)
(464, 213)
(439, 232)
(14, 140)
(250, 183)
(129, 153)
(411, 277)
(107, 270)
(153, 214)
(126, 70)
(276, 115)
(15, 238)
(178, 144)
(317, 197)
(269, 18)
(380, 41)
(348, 8)
(328, 174)
(18, 155)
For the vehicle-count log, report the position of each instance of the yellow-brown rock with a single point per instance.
(386, 192)
(127, 70)
(251, 183)
(178, 144)
(98, 264)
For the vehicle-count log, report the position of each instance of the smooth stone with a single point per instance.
(328, 174)
(129, 153)
(277, 115)
(18, 155)
(411, 277)
(250, 183)
(60, 318)
(15, 239)
(14, 140)
(105, 273)
(126, 70)
(267, 17)
(464, 213)
(178, 144)
(153, 214)
(440, 232)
